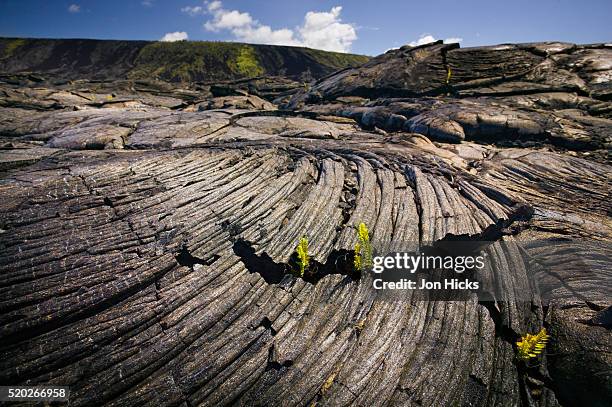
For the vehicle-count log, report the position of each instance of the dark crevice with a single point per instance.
(263, 264)
(527, 375)
(267, 324)
(531, 382)
(273, 364)
(350, 190)
(278, 366)
(247, 202)
(185, 258)
(338, 262)
(502, 330)
(524, 395)
(273, 113)
(233, 229)
(472, 243)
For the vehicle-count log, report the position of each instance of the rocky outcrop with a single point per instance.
(147, 240)
(551, 93)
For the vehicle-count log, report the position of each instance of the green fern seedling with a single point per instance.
(362, 257)
(357, 262)
(530, 346)
(303, 257)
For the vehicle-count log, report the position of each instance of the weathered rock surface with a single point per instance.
(146, 237)
(551, 93)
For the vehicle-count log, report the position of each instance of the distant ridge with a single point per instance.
(184, 61)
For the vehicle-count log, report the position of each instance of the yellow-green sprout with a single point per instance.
(362, 257)
(302, 254)
(357, 257)
(530, 346)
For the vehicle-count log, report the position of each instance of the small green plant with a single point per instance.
(357, 263)
(530, 346)
(449, 73)
(302, 254)
(362, 257)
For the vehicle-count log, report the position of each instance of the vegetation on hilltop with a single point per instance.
(10, 47)
(186, 61)
(183, 61)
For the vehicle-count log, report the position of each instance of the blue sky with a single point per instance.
(359, 26)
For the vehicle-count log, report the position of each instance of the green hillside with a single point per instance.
(184, 61)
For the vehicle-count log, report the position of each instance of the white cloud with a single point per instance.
(74, 8)
(228, 20)
(427, 38)
(322, 30)
(193, 11)
(423, 39)
(214, 5)
(147, 3)
(452, 40)
(175, 36)
(263, 34)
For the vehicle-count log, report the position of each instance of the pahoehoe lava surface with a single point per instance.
(145, 230)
